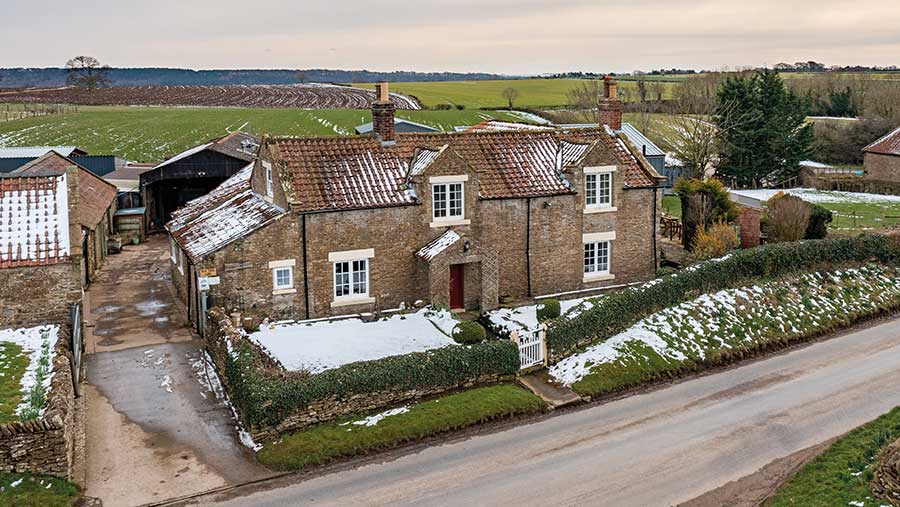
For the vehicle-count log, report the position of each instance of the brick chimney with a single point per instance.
(610, 105)
(383, 114)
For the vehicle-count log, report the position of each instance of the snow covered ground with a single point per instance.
(324, 345)
(525, 317)
(821, 196)
(35, 342)
(738, 317)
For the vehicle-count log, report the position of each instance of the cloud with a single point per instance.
(512, 36)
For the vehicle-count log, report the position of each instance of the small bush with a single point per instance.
(819, 218)
(716, 241)
(788, 218)
(703, 203)
(548, 309)
(469, 332)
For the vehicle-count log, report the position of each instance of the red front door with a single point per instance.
(457, 287)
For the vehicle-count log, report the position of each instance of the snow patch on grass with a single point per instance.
(39, 343)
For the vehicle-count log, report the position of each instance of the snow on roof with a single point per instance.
(812, 163)
(35, 151)
(640, 141)
(886, 145)
(219, 226)
(507, 126)
(234, 185)
(368, 128)
(423, 158)
(34, 220)
(433, 249)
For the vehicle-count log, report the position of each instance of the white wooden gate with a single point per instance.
(532, 347)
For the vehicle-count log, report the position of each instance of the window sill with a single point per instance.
(337, 303)
(449, 223)
(599, 277)
(279, 292)
(599, 209)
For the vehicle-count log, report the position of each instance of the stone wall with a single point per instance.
(220, 330)
(748, 222)
(878, 182)
(886, 483)
(45, 445)
(34, 295)
(882, 167)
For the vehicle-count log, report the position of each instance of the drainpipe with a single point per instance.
(653, 216)
(305, 266)
(528, 245)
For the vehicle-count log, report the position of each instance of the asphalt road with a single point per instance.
(654, 449)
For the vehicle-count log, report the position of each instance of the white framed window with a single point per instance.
(448, 200)
(351, 279)
(351, 271)
(283, 276)
(598, 189)
(598, 256)
(270, 189)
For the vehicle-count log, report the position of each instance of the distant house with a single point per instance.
(12, 158)
(882, 158)
(321, 227)
(400, 125)
(193, 173)
(93, 208)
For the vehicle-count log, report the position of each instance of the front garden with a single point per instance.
(26, 358)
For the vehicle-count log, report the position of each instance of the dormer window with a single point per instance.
(598, 189)
(448, 202)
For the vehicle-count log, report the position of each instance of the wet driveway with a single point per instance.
(155, 426)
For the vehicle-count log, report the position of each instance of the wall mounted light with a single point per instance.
(547, 204)
(466, 246)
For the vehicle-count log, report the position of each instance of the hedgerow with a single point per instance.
(618, 311)
(266, 397)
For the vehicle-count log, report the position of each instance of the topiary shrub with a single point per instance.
(548, 309)
(468, 333)
(819, 218)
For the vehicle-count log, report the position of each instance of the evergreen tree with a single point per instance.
(765, 130)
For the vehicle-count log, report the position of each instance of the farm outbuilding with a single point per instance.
(400, 125)
(194, 173)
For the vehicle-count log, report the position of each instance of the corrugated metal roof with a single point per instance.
(640, 141)
(366, 128)
(36, 151)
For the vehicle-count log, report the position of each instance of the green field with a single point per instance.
(533, 93)
(149, 134)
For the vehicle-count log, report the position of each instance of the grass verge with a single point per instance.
(728, 325)
(26, 490)
(349, 437)
(843, 473)
(13, 363)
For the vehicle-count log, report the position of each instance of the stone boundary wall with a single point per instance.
(886, 483)
(220, 330)
(847, 183)
(46, 445)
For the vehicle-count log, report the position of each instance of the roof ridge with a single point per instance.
(883, 138)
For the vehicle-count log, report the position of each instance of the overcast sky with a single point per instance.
(504, 36)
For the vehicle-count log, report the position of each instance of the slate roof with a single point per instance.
(887, 145)
(34, 221)
(228, 213)
(95, 195)
(239, 145)
(334, 173)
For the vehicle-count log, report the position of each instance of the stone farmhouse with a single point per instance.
(328, 226)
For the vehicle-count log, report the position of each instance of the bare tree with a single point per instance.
(86, 72)
(301, 76)
(510, 94)
(583, 100)
(788, 218)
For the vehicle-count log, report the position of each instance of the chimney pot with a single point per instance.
(610, 106)
(381, 92)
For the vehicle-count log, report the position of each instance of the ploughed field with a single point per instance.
(296, 96)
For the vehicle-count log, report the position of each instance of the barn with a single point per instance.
(193, 173)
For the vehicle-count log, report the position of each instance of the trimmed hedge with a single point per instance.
(618, 311)
(266, 398)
